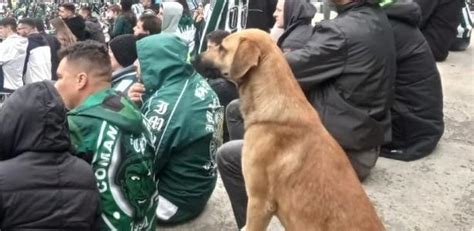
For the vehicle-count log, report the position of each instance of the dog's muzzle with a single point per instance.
(205, 68)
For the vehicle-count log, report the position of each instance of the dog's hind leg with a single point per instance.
(259, 214)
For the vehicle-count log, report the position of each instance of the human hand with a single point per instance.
(135, 93)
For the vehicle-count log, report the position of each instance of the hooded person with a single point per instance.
(107, 130)
(178, 21)
(42, 185)
(185, 117)
(297, 16)
(417, 112)
(123, 52)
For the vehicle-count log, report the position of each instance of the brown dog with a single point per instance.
(292, 166)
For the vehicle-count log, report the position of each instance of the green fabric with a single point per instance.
(185, 117)
(122, 26)
(109, 128)
(386, 3)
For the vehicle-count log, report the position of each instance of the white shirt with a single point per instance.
(12, 60)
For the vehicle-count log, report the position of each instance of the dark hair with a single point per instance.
(94, 55)
(217, 36)
(114, 8)
(39, 24)
(11, 22)
(127, 12)
(28, 21)
(126, 5)
(185, 5)
(151, 23)
(69, 6)
(88, 9)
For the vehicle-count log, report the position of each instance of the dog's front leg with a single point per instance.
(259, 213)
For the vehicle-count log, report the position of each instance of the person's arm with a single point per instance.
(322, 58)
(7, 53)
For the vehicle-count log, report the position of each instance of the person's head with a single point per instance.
(147, 24)
(113, 11)
(84, 69)
(146, 3)
(7, 27)
(63, 33)
(67, 10)
(85, 12)
(39, 24)
(126, 5)
(122, 51)
(279, 14)
(215, 38)
(26, 26)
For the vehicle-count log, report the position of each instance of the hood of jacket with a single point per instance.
(109, 106)
(297, 12)
(37, 40)
(406, 11)
(172, 12)
(33, 119)
(163, 60)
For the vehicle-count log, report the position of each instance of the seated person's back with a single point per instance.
(185, 117)
(42, 186)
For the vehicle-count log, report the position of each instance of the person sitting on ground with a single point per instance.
(43, 186)
(38, 53)
(225, 90)
(93, 27)
(123, 53)
(12, 56)
(417, 112)
(125, 21)
(148, 24)
(107, 130)
(439, 23)
(184, 115)
(295, 18)
(77, 25)
(54, 46)
(351, 90)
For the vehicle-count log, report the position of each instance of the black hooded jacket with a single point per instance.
(297, 24)
(347, 70)
(77, 25)
(439, 23)
(417, 112)
(42, 186)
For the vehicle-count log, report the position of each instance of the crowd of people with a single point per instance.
(113, 128)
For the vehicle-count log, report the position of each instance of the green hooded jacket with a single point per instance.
(107, 129)
(185, 117)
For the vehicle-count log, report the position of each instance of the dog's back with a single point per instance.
(311, 183)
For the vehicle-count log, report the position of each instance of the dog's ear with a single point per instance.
(246, 56)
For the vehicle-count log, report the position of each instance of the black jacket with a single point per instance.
(260, 14)
(54, 46)
(440, 20)
(297, 24)
(42, 186)
(417, 113)
(94, 30)
(77, 25)
(347, 71)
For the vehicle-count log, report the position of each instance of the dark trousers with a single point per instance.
(229, 163)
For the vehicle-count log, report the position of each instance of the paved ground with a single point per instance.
(434, 193)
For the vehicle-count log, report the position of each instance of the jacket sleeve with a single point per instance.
(322, 58)
(7, 53)
(427, 9)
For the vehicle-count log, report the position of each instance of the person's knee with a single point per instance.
(233, 109)
(229, 155)
(363, 162)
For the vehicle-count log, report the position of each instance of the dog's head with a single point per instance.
(235, 56)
